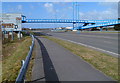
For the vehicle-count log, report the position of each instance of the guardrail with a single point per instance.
(22, 73)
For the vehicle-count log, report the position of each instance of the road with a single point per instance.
(104, 42)
(55, 63)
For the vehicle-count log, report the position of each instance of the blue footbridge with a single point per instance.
(87, 24)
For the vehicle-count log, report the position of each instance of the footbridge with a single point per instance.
(102, 23)
(86, 23)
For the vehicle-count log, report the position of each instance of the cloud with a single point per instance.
(99, 15)
(81, 14)
(19, 7)
(70, 7)
(70, 0)
(49, 7)
(57, 10)
(113, 5)
(110, 13)
(111, 0)
(31, 6)
(56, 3)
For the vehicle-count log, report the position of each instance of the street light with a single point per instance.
(77, 10)
(76, 13)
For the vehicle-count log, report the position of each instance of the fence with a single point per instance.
(22, 73)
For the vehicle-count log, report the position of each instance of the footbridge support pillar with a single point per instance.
(74, 25)
(101, 28)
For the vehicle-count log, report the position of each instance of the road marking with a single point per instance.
(106, 37)
(107, 42)
(90, 46)
(99, 36)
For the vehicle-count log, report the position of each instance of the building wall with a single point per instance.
(12, 19)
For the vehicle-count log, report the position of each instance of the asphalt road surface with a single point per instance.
(55, 63)
(104, 42)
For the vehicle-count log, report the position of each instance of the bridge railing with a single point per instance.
(103, 24)
(23, 70)
(67, 21)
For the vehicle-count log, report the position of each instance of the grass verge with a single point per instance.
(30, 67)
(13, 53)
(101, 61)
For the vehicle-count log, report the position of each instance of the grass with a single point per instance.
(13, 53)
(29, 71)
(101, 61)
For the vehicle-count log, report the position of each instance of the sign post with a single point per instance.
(12, 34)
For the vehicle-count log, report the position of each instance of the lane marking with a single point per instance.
(95, 36)
(90, 46)
(99, 36)
(106, 37)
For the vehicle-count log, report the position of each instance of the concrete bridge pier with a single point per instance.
(74, 25)
(101, 28)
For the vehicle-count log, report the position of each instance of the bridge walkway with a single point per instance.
(55, 63)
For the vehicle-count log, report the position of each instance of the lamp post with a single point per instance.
(78, 16)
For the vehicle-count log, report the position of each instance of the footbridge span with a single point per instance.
(86, 23)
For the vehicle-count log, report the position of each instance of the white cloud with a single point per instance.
(49, 7)
(57, 10)
(99, 15)
(109, 4)
(111, 0)
(32, 7)
(81, 13)
(19, 7)
(70, 7)
(56, 3)
(111, 13)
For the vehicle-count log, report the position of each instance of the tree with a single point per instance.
(117, 27)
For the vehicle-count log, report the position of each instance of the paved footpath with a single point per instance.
(55, 63)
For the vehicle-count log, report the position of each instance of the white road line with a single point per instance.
(90, 46)
(107, 42)
(106, 37)
(99, 36)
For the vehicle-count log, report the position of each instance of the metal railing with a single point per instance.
(22, 73)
